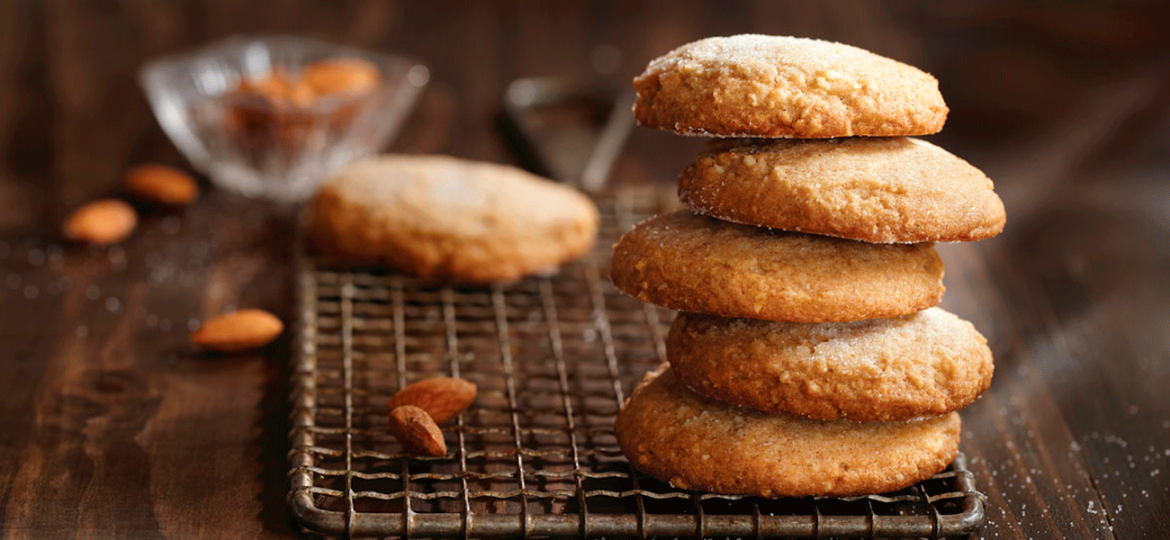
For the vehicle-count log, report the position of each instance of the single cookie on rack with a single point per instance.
(925, 364)
(446, 218)
(777, 86)
(870, 189)
(693, 263)
(673, 434)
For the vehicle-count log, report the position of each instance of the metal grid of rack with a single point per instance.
(554, 358)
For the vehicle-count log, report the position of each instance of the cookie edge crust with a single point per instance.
(637, 275)
(791, 398)
(636, 446)
(728, 121)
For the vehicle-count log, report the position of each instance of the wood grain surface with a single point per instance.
(111, 427)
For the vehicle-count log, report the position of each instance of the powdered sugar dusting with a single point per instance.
(779, 49)
(448, 189)
(823, 61)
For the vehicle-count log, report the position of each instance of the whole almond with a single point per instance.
(418, 434)
(239, 331)
(279, 88)
(341, 76)
(101, 222)
(161, 184)
(442, 398)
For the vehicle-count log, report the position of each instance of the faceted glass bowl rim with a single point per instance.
(396, 70)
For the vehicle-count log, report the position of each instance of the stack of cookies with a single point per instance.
(808, 357)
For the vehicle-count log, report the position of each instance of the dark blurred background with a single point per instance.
(1010, 71)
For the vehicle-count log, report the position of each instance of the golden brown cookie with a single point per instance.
(869, 189)
(675, 435)
(925, 364)
(446, 218)
(693, 263)
(779, 86)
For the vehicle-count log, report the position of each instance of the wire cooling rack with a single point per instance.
(535, 456)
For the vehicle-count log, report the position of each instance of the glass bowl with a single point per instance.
(275, 148)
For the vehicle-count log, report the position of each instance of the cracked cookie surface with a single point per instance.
(777, 86)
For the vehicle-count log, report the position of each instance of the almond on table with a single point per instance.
(418, 434)
(101, 222)
(239, 331)
(442, 398)
(161, 184)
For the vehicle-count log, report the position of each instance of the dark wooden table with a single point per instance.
(110, 427)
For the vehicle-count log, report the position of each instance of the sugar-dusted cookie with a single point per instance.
(693, 263)
(870, 189)
(924, 364)
(773, 86)
(446, 218)
(672, 433)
